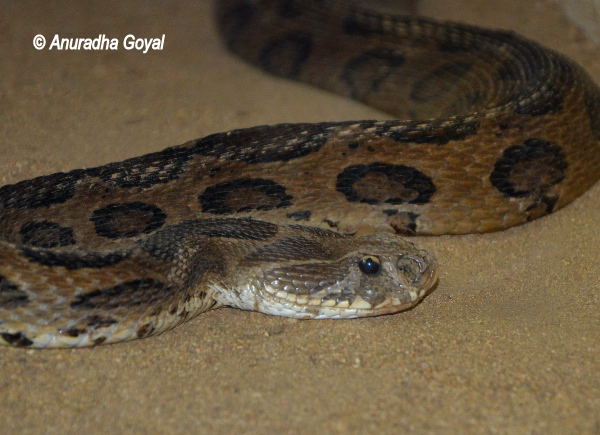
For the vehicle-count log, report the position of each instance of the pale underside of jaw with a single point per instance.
(323, 305)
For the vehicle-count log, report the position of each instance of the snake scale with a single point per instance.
(304, 220)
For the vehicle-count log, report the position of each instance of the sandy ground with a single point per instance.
(508, 343)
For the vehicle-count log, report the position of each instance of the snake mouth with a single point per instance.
(329, 308)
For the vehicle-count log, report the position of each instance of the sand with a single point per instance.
(508, 342)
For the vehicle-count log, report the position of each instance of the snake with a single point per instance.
(306, 220)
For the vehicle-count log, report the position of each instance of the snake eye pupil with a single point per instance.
(369, 265)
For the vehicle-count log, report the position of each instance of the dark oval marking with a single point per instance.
(365, 73)
(286, 55)
(127, 219)
(242, 195)
(71, 332)
(17, 339)
(529, 169)
(46, 234)
(10, 295)
(378, 183)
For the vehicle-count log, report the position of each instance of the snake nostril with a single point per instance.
(412, 267)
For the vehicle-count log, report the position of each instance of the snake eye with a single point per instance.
(369, 265)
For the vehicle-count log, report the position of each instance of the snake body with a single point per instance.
(304, 220)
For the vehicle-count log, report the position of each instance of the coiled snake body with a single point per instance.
(304, 220)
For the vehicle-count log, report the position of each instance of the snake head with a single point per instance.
(337, 277)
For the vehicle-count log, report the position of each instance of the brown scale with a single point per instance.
(498, 131)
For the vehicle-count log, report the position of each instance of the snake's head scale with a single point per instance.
(364, 276)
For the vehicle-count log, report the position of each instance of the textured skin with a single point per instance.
(304, 220)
